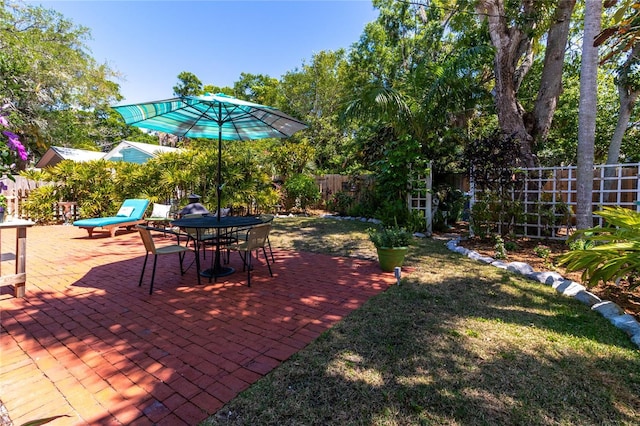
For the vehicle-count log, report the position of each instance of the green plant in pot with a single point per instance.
(392, 244)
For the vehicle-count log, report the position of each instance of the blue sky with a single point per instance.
(151, 42)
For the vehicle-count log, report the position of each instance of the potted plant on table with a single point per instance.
(392, 244)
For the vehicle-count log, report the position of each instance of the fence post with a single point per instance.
(428, 214)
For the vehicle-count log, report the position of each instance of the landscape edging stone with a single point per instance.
(611, 311)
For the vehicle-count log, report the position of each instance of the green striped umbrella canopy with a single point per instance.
(216, 116)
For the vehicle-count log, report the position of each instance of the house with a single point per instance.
(56, 154)
(136, 152)
(131, 152)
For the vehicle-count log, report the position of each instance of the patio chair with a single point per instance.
(150, 246)
(255, 240)
(268, 218)
(201, 237)
(130, 214)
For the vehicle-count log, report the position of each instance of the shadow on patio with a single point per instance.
(90, 344)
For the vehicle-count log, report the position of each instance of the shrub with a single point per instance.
(303, 189)
(500, 250)
(340, 202)
(449, 203)
(390, 236)
(616, 253)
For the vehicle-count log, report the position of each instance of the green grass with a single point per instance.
(457, 343)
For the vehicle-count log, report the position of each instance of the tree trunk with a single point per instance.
(551, 80)
(513, 56)
(628, 96)
(587, 114)
(510, 43)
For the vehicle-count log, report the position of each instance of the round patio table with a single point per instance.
(222, 226)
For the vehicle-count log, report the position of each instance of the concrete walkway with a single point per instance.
(88, 344)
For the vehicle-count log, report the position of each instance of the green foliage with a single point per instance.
(188, 85)
(392, 211)
(390, 236)
(542, 252)
(510, 246)
(416, 221)
(615, 254)
(47, 73)
(561, 145)
(500, 249)
(492, 209)
(99, 187)
(259, 88)
(301, 190)
(580, 244)
(340, 202)
(366, 205)
(39, 205)
(449, 204)
(292, 157)
(314, 93)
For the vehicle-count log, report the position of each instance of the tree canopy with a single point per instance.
(423, 81)
(58, 92)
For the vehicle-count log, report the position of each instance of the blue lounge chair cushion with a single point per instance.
(137, 209)
(97, 222)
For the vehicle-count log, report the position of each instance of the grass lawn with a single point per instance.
(457, 343)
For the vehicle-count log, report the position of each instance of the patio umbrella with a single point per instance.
(216, 116)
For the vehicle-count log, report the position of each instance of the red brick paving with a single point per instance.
(89, 344)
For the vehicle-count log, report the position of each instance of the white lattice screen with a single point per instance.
(419, 197)
(554, 189)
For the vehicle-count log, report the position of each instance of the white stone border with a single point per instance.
(607, 309)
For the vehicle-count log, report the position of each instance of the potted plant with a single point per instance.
(392, 244)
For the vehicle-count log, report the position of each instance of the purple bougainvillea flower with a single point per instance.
(3, 187)
(15, 144)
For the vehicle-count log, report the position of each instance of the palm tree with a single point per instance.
(587, 114)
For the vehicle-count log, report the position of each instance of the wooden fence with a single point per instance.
(17, 192)
(332, 184)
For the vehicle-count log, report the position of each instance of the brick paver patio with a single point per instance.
(88, 344)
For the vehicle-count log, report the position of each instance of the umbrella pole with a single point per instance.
(219, 189)
(217, 266)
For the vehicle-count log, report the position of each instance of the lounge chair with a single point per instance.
(131, 213)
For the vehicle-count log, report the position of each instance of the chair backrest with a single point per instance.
(257, 236)
(161, 210)
(147, 239)
(139, 207)
(192, 231)
(266, 218)
(225, 212)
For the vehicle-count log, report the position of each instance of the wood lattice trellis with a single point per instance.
(548, 197)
